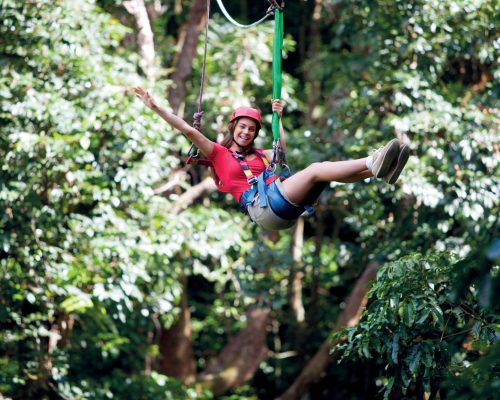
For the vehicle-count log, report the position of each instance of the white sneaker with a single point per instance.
(384, 157)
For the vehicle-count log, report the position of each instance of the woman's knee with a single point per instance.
(316, 169)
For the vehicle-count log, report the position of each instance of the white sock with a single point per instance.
(369, 162)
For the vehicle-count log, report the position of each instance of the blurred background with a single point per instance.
(125, 275)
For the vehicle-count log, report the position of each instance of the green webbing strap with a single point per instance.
(278, 46)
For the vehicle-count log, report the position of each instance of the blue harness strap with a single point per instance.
(260, 187)
(265, 186)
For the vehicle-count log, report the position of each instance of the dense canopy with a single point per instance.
(125, 275)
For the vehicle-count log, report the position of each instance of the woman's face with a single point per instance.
(245, 131)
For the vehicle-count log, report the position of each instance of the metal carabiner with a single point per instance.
(275, 6)
(285, 166)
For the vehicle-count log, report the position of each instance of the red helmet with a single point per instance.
(248, 112)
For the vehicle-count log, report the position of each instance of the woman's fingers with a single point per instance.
(144, 96)
(140, 93)
(277, 106)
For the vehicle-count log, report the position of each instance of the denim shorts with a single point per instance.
(265, 217)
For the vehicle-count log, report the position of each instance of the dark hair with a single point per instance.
(229, 138)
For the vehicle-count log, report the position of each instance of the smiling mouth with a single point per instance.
(243, 140)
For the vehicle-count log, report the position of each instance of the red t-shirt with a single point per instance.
(228, 169)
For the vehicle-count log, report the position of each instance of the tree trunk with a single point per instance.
(175, 345)
(312, 312)
(188, 41)
(348, 318)
(295, 288)
(240, 358)
(313, 82)
(145, 39)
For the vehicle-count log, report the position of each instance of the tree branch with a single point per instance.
(348, 318)
(188, 41)
(190, 195)
(175, 344)
(176, 178)
(240, 358)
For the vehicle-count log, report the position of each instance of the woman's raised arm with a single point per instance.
(205, 145)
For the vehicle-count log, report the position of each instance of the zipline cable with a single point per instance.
(199, 113)
(278, 154)
(193, 153)
(230, 19)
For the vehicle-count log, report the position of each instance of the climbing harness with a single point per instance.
(264, 186)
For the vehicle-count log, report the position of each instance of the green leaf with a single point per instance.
(476, 329)
(424, 316)
(413, 359)
(395, 348)
(77, 303)
(427, 360)
(365, 350)
(405, 379)
(409, 313)
(388, 387)
(437, 314)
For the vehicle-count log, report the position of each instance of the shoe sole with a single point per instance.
(387, 158)
(404, 155)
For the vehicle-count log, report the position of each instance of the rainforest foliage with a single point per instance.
(119, 280)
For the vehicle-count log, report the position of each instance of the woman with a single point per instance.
(241, 170)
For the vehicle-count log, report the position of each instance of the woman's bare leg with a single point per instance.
(306, 185)
(361, 176)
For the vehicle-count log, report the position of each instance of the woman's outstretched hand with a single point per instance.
(277, 106)
(146, 98)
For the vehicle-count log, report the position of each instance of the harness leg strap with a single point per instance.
(309, 209)
(261, 188)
